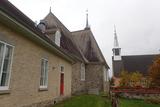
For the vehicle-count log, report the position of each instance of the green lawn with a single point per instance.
(136, 103)
(85, 101)
(98, 101)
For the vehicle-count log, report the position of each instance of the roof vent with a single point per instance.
(42, 26)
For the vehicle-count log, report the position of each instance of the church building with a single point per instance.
(129, 63)
(90, 72)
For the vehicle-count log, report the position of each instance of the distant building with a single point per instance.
(129, 63)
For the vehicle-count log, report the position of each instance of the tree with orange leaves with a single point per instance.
(154, 72)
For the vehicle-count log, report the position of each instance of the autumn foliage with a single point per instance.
(133, 79)
(154, 72)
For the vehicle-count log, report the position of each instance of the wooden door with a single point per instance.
(62, 84)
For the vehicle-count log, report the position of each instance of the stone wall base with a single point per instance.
(47, 103)
(139, 96)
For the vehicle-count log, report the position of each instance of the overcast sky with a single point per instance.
(137, 21)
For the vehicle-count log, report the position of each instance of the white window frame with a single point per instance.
(83, 72)
(105, 73)
(10, 67)
(44, 68)
(58, 38)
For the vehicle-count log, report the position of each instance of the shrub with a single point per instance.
(153, 100)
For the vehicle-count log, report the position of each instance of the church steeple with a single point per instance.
(87, 24)
(116, 49)
(115, 38)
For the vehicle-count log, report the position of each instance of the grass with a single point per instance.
(136, 103)
(85, 101)
(98, 101)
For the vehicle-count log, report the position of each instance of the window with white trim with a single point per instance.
(6, 52)
(104, 74)
(44, 73)
(83, 72)
(58, 38)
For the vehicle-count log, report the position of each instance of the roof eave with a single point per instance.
(10, 22)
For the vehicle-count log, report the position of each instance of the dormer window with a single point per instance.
(57, 37)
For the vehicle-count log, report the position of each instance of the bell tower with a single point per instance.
(116, 49)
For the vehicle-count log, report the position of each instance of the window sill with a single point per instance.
(43, 89)
(4, 92)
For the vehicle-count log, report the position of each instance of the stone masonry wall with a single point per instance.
(26, 69)
(94, 77)
(78, 86)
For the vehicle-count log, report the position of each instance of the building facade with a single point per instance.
(34, 72)
(42, 64)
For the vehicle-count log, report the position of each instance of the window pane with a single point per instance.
(4, 79)
(82, 71)
(6, 66)
(1, 56)
(44, 73)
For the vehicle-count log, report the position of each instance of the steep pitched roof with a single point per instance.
(88, 46)
(52, 22)
(133, 63)
(14, 14)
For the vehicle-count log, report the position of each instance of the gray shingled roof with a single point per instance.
(66, 41)
(133, 63)
(88, 46)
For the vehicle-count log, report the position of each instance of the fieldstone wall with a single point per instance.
(48, 103)
(24, 88)
(94, 77)
(78, 86)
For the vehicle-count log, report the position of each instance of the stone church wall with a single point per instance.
(94, 77)
(78, 86)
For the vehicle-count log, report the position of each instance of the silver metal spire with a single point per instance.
(115, 38)
(87, 26)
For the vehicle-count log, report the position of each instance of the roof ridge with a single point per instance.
(79, 30)
(141, 55)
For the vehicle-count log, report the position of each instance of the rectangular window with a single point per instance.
(82, 72)
(62, 69)
(6, 52)
(105, 73)
(44, 73)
